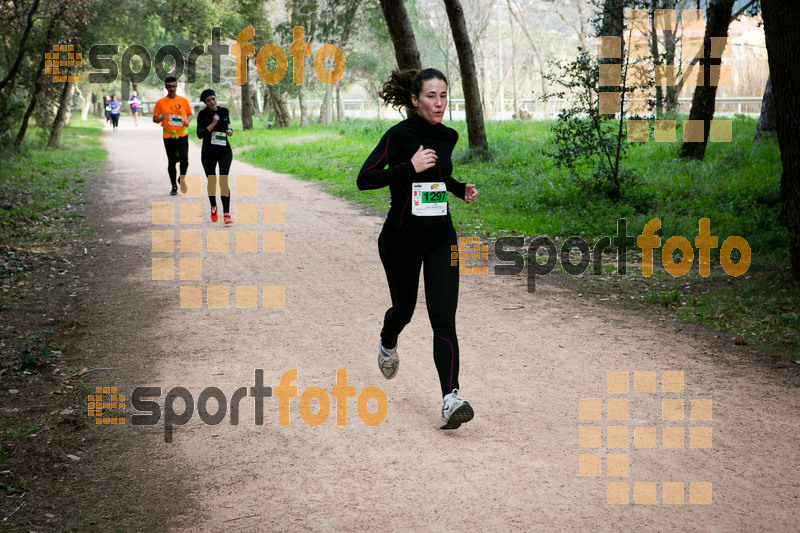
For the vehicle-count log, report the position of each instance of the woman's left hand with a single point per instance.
(230, 132)
(470, 193)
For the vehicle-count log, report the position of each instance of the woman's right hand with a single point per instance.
(424, 159)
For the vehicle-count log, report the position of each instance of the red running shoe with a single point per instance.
(228, 219)
(214, 216)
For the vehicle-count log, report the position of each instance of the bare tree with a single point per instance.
(304, 13)
(477, 24)
(541, 61)
(670, 45)
(469, 79)
(405, 46)
(579, 23)
(443, 37)
(336, 25)
(717, 20)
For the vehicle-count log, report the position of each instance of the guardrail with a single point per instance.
(537, 109)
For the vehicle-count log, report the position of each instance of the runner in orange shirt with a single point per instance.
(174, 113)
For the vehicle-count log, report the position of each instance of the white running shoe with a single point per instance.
(456, 410)
(388, 361)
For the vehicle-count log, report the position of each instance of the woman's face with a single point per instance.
(211, 102)
(432, 100)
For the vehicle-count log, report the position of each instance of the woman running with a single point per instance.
(214, 127)
(135, 102)
(115, 107)
(418, 232)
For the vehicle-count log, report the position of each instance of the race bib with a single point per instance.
(176, 120)
(430, 199)
(218, 138)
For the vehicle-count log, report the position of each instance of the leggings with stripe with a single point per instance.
(402, 255)
(210, 159)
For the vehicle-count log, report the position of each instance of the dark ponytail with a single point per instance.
(402, 84)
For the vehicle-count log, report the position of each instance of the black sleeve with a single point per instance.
(374, 173)
(454, 186)
(203, 120)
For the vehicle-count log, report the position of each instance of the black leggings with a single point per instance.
(115, 119)
(210, 159)
(402, 255)
(177, 151)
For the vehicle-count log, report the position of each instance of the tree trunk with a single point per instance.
(405, 46)
(325, 108)
(349, 16)
(301, 98)
(671, 100)
(282, 119)
(21, 51)
(781, 21)
(583, 31)
(469, 78)
(483, 76)
(62, 115)
(613, 21)
(718, 17)
(768, 119)
(37, 85)
(253, 99)
(612, 24)
(24, 124)
(514, 66)
(339, 106)
(86, 100)
(247, 99)
(656, 56)
(247, 107)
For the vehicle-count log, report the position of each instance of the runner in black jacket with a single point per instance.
(418, 232)
(214, 127)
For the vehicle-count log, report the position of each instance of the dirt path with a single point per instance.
(527, 359)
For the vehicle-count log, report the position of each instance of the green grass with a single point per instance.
(40, 190)
(41, 201)
(523, 192)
